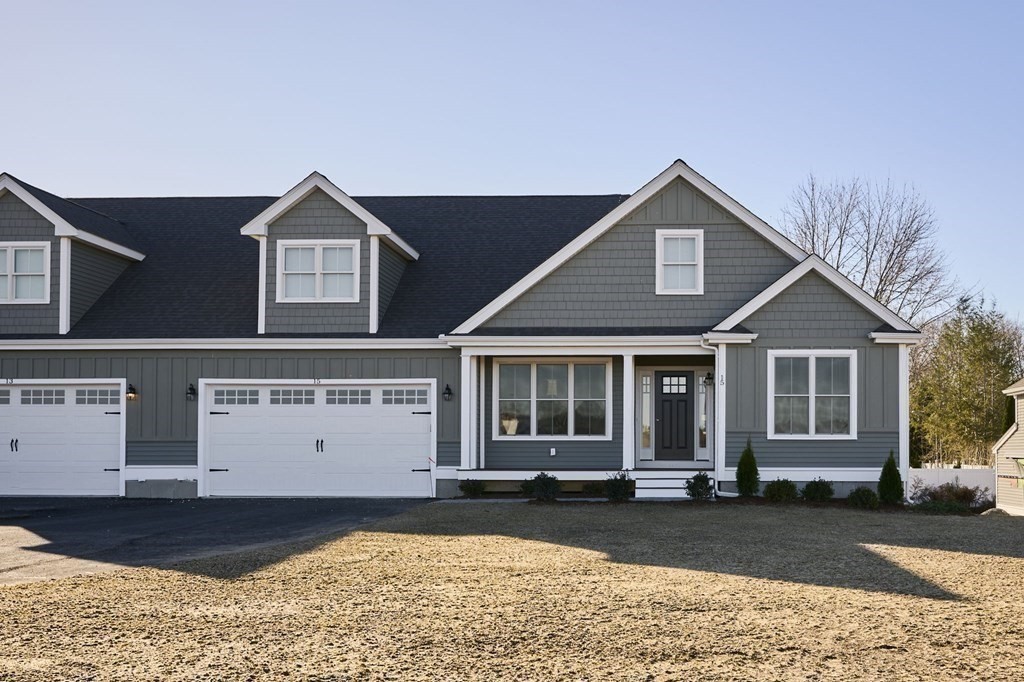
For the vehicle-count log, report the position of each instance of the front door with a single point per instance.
(673, 416)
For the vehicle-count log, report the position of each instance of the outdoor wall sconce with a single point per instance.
(131, 393)
(447, 393)
(709, 379)
(190, 393)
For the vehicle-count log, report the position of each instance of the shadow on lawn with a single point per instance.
(38, 533)
(824, 547)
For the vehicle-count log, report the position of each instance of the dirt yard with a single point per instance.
(572, 592)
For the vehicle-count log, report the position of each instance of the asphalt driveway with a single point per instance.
(43, 538)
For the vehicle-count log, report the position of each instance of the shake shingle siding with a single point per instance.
(318, 217)
(612, 281)
(19, 223)
(392, 266)
(92, 273)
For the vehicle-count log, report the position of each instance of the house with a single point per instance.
(1009, 454)
(320, 344)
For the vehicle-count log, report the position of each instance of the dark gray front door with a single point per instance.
(673, 415)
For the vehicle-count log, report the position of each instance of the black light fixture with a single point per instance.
(709, 379)
(191, 393)
(131, 393)
(447, 393)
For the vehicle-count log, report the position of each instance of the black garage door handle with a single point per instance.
(218, 469)
(418, 470)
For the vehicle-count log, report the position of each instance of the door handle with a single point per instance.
(15, 444)
(12, 445)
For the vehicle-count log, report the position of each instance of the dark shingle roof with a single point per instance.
(200, 275)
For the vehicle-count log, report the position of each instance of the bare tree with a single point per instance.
(880, 236)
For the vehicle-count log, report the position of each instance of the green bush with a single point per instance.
(862, 498)
(890, 483)
(780, 490)
(818, 490)
(941, 507)
(542, 487)
(593, 488)
(954, 494)
(617, 488)
(748, 479)
(699, 487)
(472, 488)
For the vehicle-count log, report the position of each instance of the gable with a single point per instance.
(611, 281)
(19, 222)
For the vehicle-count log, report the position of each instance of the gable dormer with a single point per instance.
(56, 258)
(327, 265)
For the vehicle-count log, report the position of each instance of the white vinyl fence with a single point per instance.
(974, 478)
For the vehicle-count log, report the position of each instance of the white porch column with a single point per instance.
(465, 411)
(628, 412)
(720, 416)
(64, 287)
(474, 422)
(904, 411)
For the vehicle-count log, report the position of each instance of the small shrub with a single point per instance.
(890, 483)
(699, 487)
(593, 488)
(618, 487)
(862, 498)
(748, 479)
(818, 490)
(941, 507)
(780, 490)
(542, 487)
(472, 488)
(952, 496)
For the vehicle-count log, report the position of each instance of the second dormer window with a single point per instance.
(311, 271)
(680, 262)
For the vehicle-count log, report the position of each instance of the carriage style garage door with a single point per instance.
(345, 439)
(61, 439)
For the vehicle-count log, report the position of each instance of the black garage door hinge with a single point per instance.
(111, 469)
(422, 413)
(220, 413)
(218, 469)
(111, 413)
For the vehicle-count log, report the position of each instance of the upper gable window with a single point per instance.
(24, 272)
(680, 266)
(313, 271)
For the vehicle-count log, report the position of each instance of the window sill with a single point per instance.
(316, 300)
(38, 301)
(667, 292)
(550, 438)
(787, 436)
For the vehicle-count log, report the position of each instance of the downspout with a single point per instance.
(718, 482)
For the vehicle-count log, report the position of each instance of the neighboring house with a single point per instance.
(320, 344)
(1009, 453)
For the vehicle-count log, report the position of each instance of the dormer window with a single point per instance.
(24, 272)
(680, 262)
(314, 271)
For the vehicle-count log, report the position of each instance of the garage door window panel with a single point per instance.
(42, 396)
(98, 396)
(292, 396)
(236, 396)
(404, 396)
(348, 396)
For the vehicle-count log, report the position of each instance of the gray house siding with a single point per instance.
(19, 223)
(92, 272)
(162, 427)
(535, 454)
(611, 283)
(813, 314)
(392, 267)
(1009, 488)
(318, 216)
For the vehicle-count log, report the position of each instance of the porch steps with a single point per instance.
(671, 486)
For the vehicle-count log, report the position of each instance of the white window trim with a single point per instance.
(659, 276)
(533, 362)
(318, 244)
(811, 355)
(7, 251)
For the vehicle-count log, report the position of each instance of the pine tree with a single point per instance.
(748, 478)
(890, 483)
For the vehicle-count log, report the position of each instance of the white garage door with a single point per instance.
(60, 439)
(345, 440)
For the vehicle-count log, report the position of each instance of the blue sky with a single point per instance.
(183, 98)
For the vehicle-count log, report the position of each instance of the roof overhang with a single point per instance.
(257, 227)
(677, 170)
(61, 227)
(906, 338)
(729, 337)
(1006, 436)
(220, 344)
(1016, 389)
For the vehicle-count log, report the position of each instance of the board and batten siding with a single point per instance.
(1010, 465)
(534, 454)
(392, 267)
(318, 216)
(611, 282)
(92, 273)
(813, 314)
(162, 426)
(20, 223)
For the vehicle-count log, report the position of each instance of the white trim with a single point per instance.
(258, 225)
(465, 425)
(202, 484)
(728, 337)
(64, 286)
(720, 417)
(474, 444)
(1006, 436)
(221, 344)
(609, 424)
(150, 472)
(261, 314)
(318, 246)
(374, 282)
(904, 411)
(909, 338)
(561, 341)
(842, 475)
(811, 354)
(106, 245)
(482, 407)
(629, 425)
(676, 170)
(1013, 391)
(831, 275)
(583, 350)
(659, 261)
(7, 250)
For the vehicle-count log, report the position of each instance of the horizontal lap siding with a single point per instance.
(534, 454)
(1010, 491)
(161, 453)
(92, 272)
(19, 223)
(611, 283)
(392, 267)
(161, 420)
(318, 217)
(812, 314)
